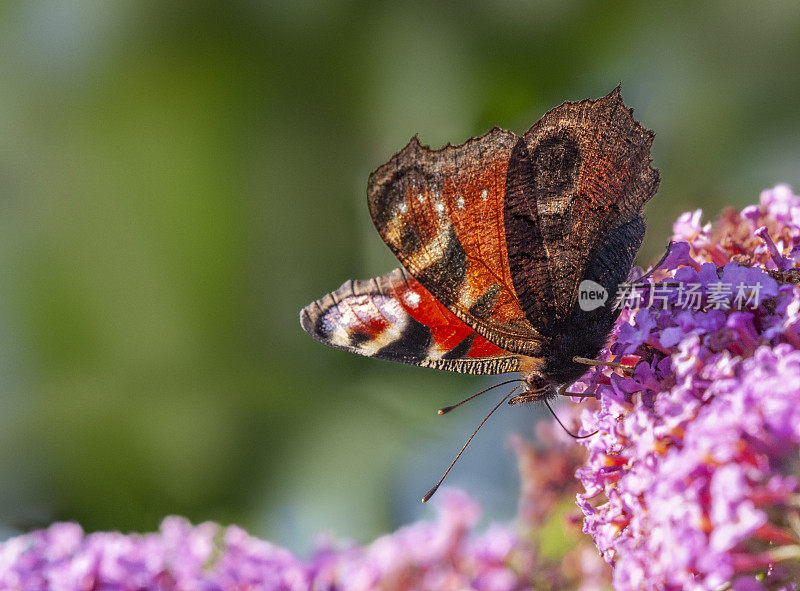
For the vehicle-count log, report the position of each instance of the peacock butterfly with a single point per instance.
(496, 238)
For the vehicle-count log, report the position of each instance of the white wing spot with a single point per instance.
(484, 195)
(420, 198)
(411, 299)
(460, 202)
(403, 207)
(437, 200)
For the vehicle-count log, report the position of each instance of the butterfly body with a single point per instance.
(494, 237)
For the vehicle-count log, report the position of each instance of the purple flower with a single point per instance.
(688, 228)
(692, 482)
(781, 203)
(444, 554)
(776, 258)
(679, 255)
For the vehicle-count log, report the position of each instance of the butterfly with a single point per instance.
(495, 237)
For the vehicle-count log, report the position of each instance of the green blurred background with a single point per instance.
(178, 181)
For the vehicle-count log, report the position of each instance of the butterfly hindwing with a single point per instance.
(393, 317)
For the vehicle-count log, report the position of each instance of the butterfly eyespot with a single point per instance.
(556, 159)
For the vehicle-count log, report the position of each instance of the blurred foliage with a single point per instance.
(179, 179)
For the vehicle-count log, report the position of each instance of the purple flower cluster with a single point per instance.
(179, 556)
(439, 555)
(693, 480)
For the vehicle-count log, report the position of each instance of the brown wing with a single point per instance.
(441, 213)
(577, 180)
(393, 317)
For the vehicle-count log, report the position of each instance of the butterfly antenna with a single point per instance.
(447, 409)
(433, 490)
(656, 266)
(568, 432)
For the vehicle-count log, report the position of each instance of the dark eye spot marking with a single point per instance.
(555, 162)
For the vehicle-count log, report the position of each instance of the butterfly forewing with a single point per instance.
(441, 213)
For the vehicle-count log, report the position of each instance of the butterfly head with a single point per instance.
(536, 388)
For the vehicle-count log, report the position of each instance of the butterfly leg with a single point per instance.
(626, 369)
(562, 391)
(656, 266)
(536, 396)
(544, 395)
